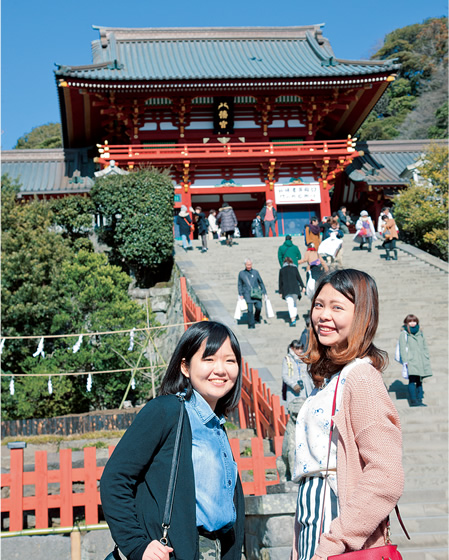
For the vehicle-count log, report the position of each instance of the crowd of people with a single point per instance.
(171, 488)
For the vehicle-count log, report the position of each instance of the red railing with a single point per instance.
(161, 153)
(43, 505)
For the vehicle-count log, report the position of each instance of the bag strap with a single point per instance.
(396, 507)
(173, 476)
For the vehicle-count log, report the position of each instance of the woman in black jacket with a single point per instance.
(291, 287)
(208, 509)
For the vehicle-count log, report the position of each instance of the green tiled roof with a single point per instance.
(203, 54)
(56, 171)
(385, 161)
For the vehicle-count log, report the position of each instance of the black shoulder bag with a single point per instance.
(115, 555)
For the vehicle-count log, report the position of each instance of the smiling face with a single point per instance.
(332, 317)
(212, 376)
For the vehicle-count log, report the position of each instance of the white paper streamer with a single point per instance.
(78, 344)
(11, 386)
(50, 386)
(2, 344)
(131, 340)
(133, 383)
(89, 382)
(40, 349)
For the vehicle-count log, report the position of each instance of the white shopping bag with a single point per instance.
(243, 305)
(238, 311)
(310, 287)
(269, 309)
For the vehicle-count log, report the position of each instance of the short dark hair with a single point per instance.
(296, 344)
(411, 318)
(215, 334)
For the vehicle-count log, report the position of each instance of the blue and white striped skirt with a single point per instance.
(308, 511)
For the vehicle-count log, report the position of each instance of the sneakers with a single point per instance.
(293, 323)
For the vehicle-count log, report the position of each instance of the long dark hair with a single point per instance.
(360, 288)
(215, 335)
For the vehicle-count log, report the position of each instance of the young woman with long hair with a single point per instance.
(208, 510)
(364, 474)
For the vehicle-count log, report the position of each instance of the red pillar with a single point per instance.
(325, 205)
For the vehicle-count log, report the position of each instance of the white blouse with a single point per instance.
(313, 428)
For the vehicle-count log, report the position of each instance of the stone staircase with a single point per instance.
(415, 283)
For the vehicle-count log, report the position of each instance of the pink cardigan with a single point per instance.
(370, 477)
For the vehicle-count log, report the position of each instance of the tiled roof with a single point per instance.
(55, 171)
(196, 53)
(385, 161)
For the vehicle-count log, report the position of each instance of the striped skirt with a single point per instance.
(310, 504)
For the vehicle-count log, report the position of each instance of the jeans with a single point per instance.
(186, 241)
(204, 241)
(270, 225)
(254, 316)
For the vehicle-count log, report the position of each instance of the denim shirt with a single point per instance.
(213, 465)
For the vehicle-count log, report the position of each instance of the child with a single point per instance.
(364, 475)
(208, 510)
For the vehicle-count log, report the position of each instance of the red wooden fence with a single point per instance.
(258, 409)
(87, 477)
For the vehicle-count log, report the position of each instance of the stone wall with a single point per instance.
(269, 523)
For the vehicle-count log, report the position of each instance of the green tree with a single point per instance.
(138, 209)
(421, 210)
(40, 137)
(50, 289)
(74, 215)
(409, 107)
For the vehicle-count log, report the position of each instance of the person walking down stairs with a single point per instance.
(414, 352)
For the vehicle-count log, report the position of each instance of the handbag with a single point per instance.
(238, 311)
(256, 293)
(405, 371)
(387, 552)
(397, 354)
(115, 555)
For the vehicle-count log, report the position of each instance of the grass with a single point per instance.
(42, 440)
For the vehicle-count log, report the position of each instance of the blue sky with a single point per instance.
(35, 35)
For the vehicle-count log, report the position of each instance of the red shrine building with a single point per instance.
(238, 115)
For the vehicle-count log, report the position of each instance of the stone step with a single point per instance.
(424, 495)
(428, 524)
(439, 553)
(431, 509)
(425, 541)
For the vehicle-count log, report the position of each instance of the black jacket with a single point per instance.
(135, 481)
(248, 280)
(202, 223)
(184, 224)
(290, 281)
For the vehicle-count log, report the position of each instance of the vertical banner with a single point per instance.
(223, 115)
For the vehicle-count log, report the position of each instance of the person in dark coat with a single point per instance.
(249, 283)
(184, 223)
(256, 227)
(228, 222)
(289, 249)
(208, 507)
(202, 225)
(291, 287)
(269, 216)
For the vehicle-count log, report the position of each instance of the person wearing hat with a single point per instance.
(228, 222)
(365, 232)
(288, 249)
(184, 223)
(269, 216)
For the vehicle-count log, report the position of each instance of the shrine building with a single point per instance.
(238, 115)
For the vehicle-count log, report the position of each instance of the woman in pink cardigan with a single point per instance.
(364, 474)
